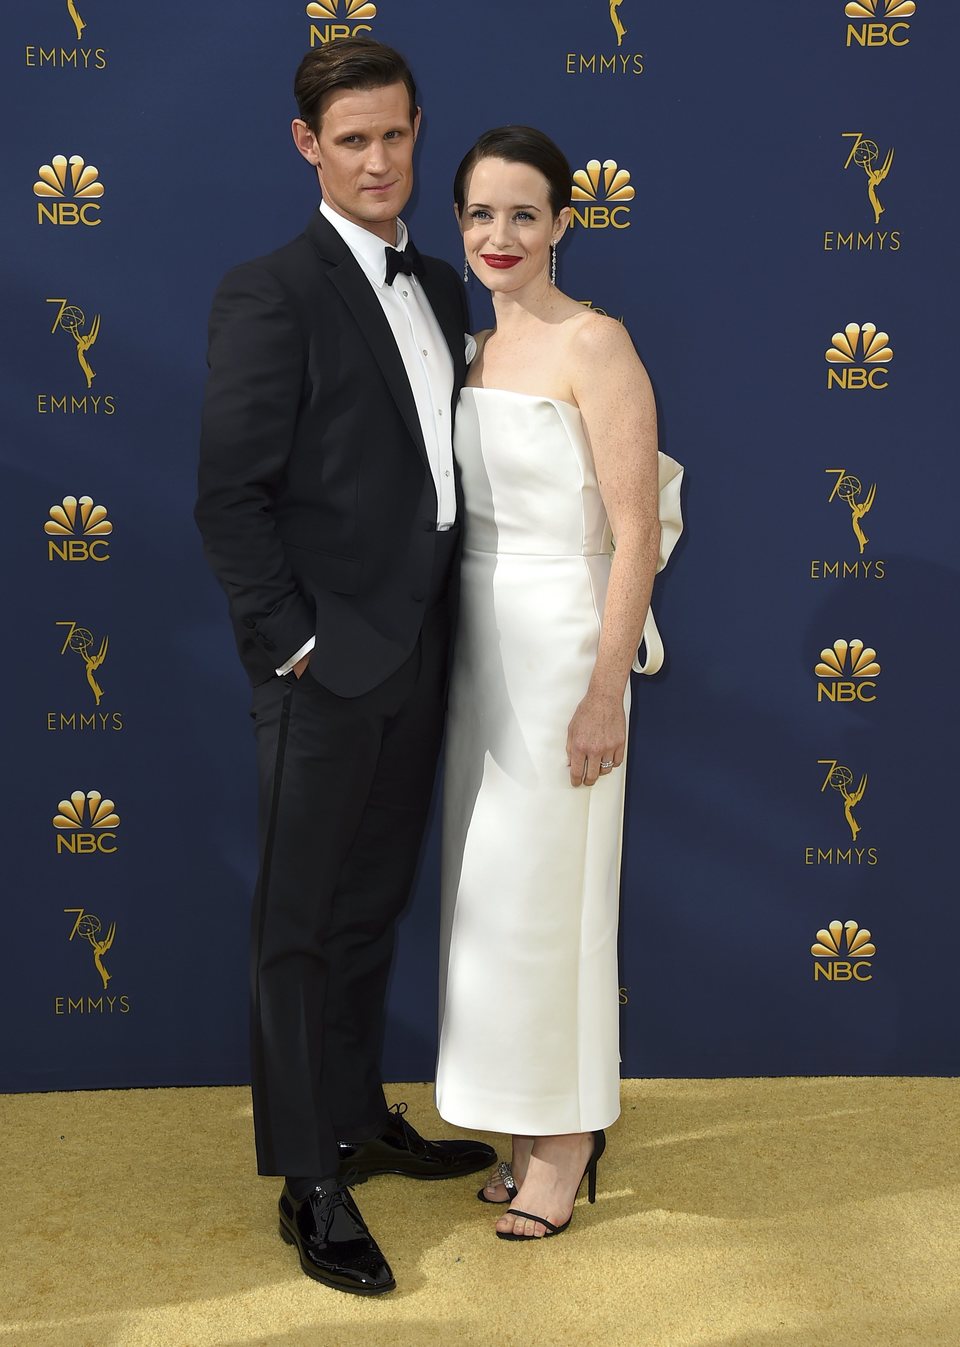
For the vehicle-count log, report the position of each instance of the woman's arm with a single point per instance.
(613, 392)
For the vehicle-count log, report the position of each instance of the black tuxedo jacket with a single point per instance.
(316, 503)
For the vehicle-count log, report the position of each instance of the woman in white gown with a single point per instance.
(556, 440)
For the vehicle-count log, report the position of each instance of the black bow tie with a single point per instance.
(407, 260)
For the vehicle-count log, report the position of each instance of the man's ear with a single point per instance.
(305, 141)
(416, 124)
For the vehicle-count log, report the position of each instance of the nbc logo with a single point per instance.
(85, 824)
(881, 22)
(829, 946)
(55, 184)
(78, 531)
(601, 183)
(330, 11)
(858, 357)
(833, 665)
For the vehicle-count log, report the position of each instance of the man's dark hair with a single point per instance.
(519, 145)
(350, 63)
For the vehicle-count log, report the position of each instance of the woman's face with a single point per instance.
(508, 225)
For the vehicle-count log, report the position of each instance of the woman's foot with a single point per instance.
(494, 1190)
(550, 1182)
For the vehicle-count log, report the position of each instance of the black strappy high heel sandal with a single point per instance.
(590, 1173)
(505, 1176)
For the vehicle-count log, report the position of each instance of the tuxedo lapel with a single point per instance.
(363, 305)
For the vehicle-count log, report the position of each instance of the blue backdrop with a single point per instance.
(787, 182)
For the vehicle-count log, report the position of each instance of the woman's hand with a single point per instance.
(596, 738)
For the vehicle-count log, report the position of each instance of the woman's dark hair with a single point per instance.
(350, 63)
(519, 145)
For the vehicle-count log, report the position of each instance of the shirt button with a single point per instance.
(439, 411)
(424, 353)
(447, 473)
(405, 294)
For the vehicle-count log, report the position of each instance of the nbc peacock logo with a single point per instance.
(333, 19)
(77, 530)
(68, 192)
(86, 824)
(859, 358)
(842, 952)
(847, 672)
(878, 23)
(599, 196)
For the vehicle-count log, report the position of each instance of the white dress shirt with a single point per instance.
(426, 358)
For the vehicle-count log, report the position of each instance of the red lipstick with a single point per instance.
(500, 261)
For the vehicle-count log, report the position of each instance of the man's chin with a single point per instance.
(382, 207)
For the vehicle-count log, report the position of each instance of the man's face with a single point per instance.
(364, 155)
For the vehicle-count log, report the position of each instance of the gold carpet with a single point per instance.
(730, 1213)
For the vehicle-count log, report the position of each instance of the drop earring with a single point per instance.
(466, 269)
(553, 264)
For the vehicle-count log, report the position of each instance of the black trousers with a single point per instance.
(345, 785)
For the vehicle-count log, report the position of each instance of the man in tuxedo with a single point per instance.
(329, 509)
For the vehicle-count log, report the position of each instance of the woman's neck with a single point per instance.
(536, 302)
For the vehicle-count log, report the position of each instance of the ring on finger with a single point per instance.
(606, 764)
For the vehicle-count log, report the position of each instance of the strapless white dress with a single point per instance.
(531, 866)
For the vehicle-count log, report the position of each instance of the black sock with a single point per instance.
(298, 1187)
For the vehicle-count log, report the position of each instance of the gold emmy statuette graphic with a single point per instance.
(75, 517)
(891, 9)
(589, 304)
(84, 179)
(78, 23)
(848, 488)
(866, 153)
(828, 942)
(840, 778)
(88, 927)
(71, 319)
(833, 660)
(618, 27)
(81, 641)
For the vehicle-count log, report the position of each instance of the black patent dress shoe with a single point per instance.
(400, 1149)
(333, 1242)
